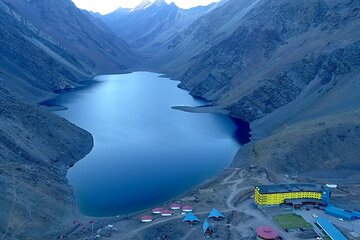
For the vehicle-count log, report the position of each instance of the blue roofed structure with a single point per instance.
(330, 229)
(341, 213)
(191, 218)
(207, 229)
(216, 214)
(356, 214)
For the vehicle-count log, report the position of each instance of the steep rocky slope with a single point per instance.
(45, 47)
(36, 150)
(322, 147)
(149, 24)
(52, 45)
(207, 31)
(285, 63)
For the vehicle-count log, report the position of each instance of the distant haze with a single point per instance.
(107, 6)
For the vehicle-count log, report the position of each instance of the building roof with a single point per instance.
(266, 232)
(175, 205)
(339, 212)
(190, 217)
(187, 208)
(206, 226)
(146, 218)
(215, 214)
(166, 211)
(299, 187)
(157, 209)
(330, 229)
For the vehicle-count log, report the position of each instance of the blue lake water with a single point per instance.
(145, 152)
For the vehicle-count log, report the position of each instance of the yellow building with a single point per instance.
(277, 194)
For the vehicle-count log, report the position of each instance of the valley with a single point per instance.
(288, 68)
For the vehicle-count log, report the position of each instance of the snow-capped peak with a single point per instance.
(147, 3)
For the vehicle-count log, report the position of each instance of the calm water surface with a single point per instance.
(145, 152)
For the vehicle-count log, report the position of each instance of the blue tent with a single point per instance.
(191, 218)
(207, 229)
(216, 214)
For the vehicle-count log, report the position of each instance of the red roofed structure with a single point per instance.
(146, 219)
(157, 210)
(175, 206)
(187, 209)
(266, 233)
(166, 213)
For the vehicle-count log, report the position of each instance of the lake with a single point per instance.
(145, 152)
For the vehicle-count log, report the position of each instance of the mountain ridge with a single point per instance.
(45, 47)
(157, 22)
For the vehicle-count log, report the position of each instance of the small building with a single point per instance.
(277, 194)
(300, 202)
(147, 219)
(157, 210)
(216, 215)
(331, 185)
(207, 229)
(267, 233)
(166, 213)
(175, 206)
(341, 213)
(330, 229)
(191, 218)
(187, 208)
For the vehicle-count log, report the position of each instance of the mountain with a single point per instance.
(36, 150)
(283, 66)
(289, 68)
(206, 31)
(52, 45)
(45, 47)
(151, 22)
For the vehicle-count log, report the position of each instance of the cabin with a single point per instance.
(208, 231)
(157, 210)
(175, 206)
(146, 219)
(191, 218)
(187, 208)
(166, 213)
(216, 215)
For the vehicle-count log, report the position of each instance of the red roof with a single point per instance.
(266, 232)
(144, 218)
(157, 209)
(175, 205)
(166, 212)
(187, 208)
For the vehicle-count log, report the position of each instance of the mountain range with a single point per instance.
(289, 68)
(150, 23)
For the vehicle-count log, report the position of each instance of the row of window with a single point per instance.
(278, 198)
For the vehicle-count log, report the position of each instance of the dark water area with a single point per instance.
(145, 152)
(243, 132)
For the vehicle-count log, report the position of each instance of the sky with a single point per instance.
(107, 6)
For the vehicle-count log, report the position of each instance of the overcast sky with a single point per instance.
(106, 6)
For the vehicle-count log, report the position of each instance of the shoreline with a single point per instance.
(211, 192)
(90, 83)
